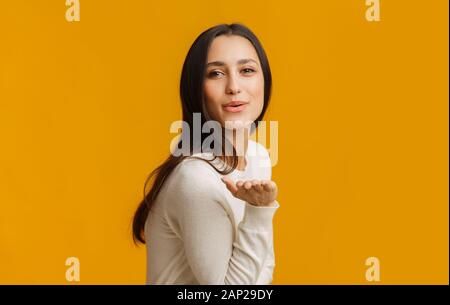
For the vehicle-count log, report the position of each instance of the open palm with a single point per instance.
(255, 192)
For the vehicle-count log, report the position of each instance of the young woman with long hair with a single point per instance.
(207, 218)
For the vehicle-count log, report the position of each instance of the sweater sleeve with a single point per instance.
(197, 206)
(266, 275)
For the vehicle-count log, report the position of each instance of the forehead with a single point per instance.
(230, 49)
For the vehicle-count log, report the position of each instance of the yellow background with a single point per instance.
(85, 109)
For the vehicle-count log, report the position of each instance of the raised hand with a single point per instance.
(255, 192)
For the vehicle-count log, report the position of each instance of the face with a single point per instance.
(233, 82)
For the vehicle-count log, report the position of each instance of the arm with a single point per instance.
(198, 207)
(266, 275)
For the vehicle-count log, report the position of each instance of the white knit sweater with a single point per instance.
(198, 233)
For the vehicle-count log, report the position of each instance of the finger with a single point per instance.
(241, 186)
(258, 186)
(254, 183)
(248, 185)
(266, 185)
(230, 185)
(273, 185)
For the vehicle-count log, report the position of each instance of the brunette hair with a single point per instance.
(192, 101)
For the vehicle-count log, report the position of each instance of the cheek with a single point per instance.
(212, 99)
(212, 92)
(256, 86)
(256, 89)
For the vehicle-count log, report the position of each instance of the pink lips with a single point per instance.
(235, 106)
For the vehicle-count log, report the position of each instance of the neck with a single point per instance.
(241, 154)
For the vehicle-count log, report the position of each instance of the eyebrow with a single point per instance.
(240, 62)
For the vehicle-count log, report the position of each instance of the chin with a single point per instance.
(238, 122)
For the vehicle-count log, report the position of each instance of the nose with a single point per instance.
(233, 85)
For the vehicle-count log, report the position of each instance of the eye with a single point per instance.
(248, 70)
(214, 73)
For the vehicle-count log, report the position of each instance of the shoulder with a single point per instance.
(198, 165)
(195, 177)
(192, 187)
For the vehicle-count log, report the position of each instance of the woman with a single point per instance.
(208, 217)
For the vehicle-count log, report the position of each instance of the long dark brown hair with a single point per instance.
(192, 101)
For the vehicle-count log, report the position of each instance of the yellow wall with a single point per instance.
(85, 109)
